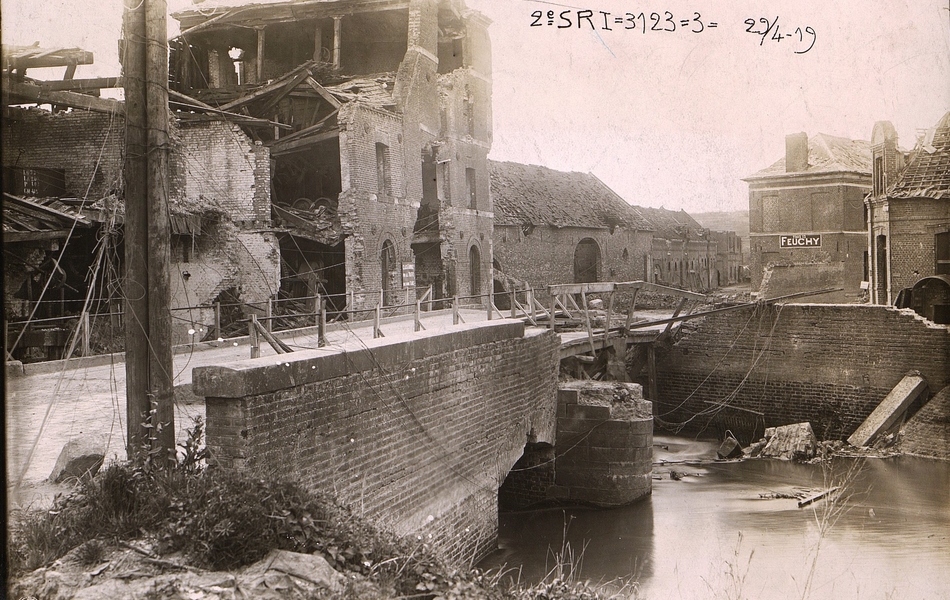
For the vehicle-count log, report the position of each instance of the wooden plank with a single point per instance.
(581, 288)
(27, 93)
(282, 147)
(267, 89)
(29, 236)
(315, 128)
(324, 92)
(817, 497)
(95, 83)
(676, 313)
(628, 286)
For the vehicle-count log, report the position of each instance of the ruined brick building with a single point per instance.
(319, 147)
(908, 208)
(377, 119)
(556, 227)
(69, 158)
(806, 219)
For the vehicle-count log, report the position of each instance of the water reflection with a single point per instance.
(711, 534)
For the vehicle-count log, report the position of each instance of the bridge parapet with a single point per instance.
(416, 433)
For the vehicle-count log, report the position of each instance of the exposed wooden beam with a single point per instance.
(263, 91)
(96, 83)
(28, 93)
(33, 236)
(324, 92)
(315, 128)
(283, 147)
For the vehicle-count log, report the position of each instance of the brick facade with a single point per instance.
(827, 364)
(908, 208)
(545, 255)
(417, 435)
(818, 189)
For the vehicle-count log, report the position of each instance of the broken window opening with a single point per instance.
(383, 182)
(240, 69)
(475, 271)
(388, 273)
(308, 268)
(472, 188)
(942, 253)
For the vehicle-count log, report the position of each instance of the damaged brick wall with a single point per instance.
(912, 224)
(827, 364)
(216, 167)
(417, 435)
(87, 145)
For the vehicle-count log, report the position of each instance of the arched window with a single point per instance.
(475, 271)
(586, 261)
(388, 271)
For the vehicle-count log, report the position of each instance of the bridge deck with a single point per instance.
(87, 395)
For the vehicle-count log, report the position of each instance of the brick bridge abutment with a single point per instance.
(416, 434)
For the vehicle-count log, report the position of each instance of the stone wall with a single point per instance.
(417, 434)
(827, 364)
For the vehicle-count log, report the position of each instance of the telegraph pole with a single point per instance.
(149, 375)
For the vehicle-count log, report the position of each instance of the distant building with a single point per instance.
(727, 268)
(909, 214)
(682, 253)
(563, 227)
(806, 219)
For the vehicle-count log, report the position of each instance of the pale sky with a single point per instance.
(664, 118)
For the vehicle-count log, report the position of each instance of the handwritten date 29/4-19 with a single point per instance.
(770, 30)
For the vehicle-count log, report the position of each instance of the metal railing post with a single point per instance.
(514, 305)
(376, 331)
(322, 324)
(317, 301)
(553, 309)
(252, 336)
(455, 310)
(270, 313)
(417, 325)
(85, 334)
(490, 305)
(217, 320)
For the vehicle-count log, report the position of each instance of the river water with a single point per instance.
(712, 534)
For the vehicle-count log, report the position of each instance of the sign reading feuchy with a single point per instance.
(800, 241)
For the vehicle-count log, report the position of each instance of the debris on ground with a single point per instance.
(788, 442)
(80, 457)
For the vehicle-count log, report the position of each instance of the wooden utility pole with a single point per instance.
(149, 391)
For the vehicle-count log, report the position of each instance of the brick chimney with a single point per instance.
(885, 157)
(796, 152)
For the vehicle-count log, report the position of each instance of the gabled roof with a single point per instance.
(670, 224)
(927, 175)
(535, 195)
(826, 154)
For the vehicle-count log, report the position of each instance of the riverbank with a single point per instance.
(731, 529)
